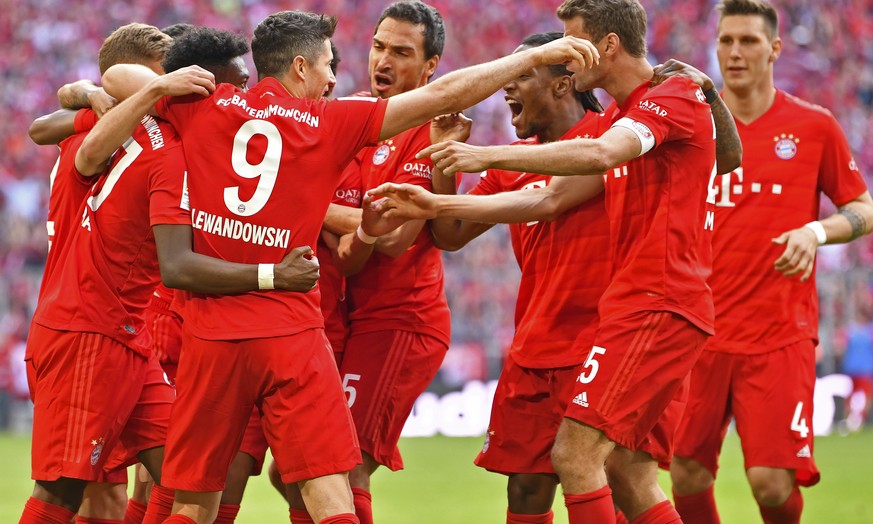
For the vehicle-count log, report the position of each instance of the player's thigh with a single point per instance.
(708, 411)
(305, 417)
(773, 405)
(527, 410)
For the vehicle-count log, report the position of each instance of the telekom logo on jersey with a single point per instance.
(731, 184)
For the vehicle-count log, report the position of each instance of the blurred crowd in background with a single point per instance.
(827, 59)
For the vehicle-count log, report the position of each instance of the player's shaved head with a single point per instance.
(625, 18)
(752, 8)
(134, 44)
(285, 35)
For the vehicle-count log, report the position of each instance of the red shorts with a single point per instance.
(383, 374)
(528, 407)
(254, 443)
(630, 384)
(293, 381)
(770, 395)
(166, 330)
(84, 412)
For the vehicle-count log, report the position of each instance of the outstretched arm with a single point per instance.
(181, 268)
(728, 147)
(85, 93)
(466, 87)
(123, 80)
(852, 220)
(53, 128)
(581, 156)
(544, 204)
(115, 128)
(356, 248)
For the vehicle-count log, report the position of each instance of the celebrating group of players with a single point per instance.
(667, 271)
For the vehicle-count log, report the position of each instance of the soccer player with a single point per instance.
(760, 366)
(657, 311)
(564, 270)
(88, 325)
(253, 156)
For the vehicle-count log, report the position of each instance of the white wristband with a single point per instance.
(265, 276)
(820, 235)
(365, 238)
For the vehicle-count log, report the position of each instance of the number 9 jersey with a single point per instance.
(262, 168)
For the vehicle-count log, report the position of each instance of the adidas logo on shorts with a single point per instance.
(804, 452)
(581, 399)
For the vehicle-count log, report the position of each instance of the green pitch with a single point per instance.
(440, 485)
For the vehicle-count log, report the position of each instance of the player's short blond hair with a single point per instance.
(625, 18)
(760, 8)
(133, 44)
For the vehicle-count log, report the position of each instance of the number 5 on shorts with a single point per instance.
(349, 389)
(585, 377)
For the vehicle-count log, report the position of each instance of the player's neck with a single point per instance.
(627, 75)
(561, 123)
(748, 105)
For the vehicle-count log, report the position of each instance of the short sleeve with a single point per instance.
(179, 110)
(167, 188)
(489, 183)
(353, 123)
(839, 176)
(85, 120)
(667, 112)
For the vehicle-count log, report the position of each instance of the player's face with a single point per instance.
(530, 100)
(235, 73)
(745, 52)
(397, 61)
(586, 79)
(320, 79)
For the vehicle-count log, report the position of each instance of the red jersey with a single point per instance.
(331, 282)
(67, 191)
(111, 266)
(262, 166)
(791, 154)
(564, 269)
(403, 293)
(659, 211)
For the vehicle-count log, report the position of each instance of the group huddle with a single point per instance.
(232, 269)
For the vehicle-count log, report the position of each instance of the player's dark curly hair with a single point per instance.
(419, 13)
(585, 98)
(206, 47)
(287, 34)
(176, 30)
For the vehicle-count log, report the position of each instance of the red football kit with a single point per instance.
(564, 271)
(89, 324)
(767, 323)
(331, 283)
(400, 323)
(657, 310)
(262, 166)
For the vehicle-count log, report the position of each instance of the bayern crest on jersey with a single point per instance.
(96, 451)
(381, 154)
(786, 146)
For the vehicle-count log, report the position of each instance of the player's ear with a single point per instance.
(563, 85)
(611, 41)
(299, 67)
(431, 65)
(776, 49)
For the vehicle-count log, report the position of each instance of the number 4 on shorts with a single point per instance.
(798, 423)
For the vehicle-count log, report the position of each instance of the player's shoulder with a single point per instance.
(798, 106)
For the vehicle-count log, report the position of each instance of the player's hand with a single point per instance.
(375, 223)
(101, 102)
(453, 157)
(298, 271)
(188, 80)
(577, 53)
(404, 201)
(799, 255)
(672, 68)
(454, 126)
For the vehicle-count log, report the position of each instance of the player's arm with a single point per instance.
(182, 268)
(852, 220)
(123, 80)
(728, 147)
(543, 204)
(85, 93)
(451, 234)
(115, 128)
(53, 128)
(342, 220)
(466, 87)
(355, 248)
(581, 156)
